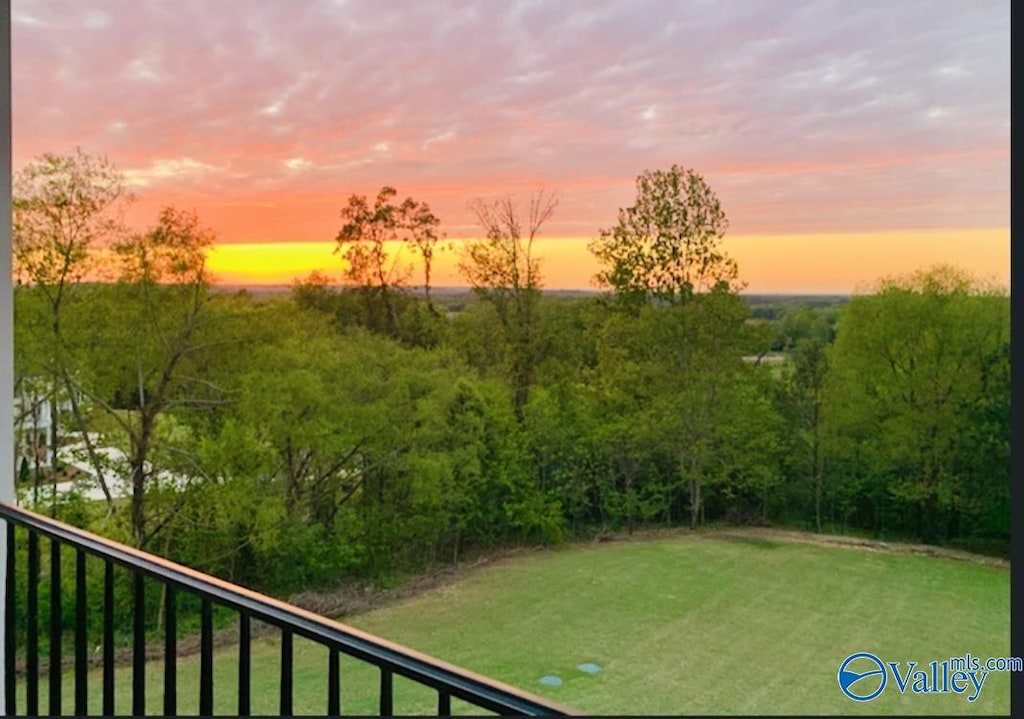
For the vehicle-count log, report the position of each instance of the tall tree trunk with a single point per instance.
(90, 450)
(816, 472)
(54, 445)
(140, 454)
(138, 506)
(695, 502)
(629, 472)
(291, 493)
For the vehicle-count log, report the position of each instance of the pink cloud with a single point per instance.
(818, 116)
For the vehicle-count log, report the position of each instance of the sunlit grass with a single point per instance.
(689, 625)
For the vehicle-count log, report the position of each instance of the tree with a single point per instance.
(64, 208)
(697, 390)
(150, 340)
(666, 246)
(909, 364)
(806, 336)
(502, 271)
(300, 391)
(421, 226)
(361, 241)
(673, 385)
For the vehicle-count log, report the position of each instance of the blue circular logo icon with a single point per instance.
(862, 676)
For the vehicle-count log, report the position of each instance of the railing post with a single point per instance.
(6, 320)
(32, 630)
(286, 674)
(206, 658)
(108, 638)
(333, 683)
(8, 631)
(170, 651)
(387, 699)
(244, 659)
(56, 629)
(81, 637)
(138, 644)
(139, 568)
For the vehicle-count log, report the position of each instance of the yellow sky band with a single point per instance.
(812, 263)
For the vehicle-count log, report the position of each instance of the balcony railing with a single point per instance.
(389, 658)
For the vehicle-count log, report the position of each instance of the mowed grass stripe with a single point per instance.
(691, 624)
(699, 625)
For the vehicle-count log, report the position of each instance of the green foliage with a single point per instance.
(64, 206)
(666, 246)
(503, 272)
(361, 242)
(357, 434)
(419, 323)
(912, 369)
(334, 452)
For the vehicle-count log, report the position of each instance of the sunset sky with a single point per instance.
(846, 140)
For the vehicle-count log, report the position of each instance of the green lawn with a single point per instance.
(687, 625)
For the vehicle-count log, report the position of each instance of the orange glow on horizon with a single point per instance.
(833, 263)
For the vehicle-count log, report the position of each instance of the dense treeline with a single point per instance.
(303, 440)
(325, 448)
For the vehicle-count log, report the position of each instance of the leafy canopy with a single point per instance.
(666, 246)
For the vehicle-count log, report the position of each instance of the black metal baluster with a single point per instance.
(386, 698)
(55, 628)
(446, 681)
(170, 651)
(206, 659)
(81, 638)
(32, 640)
(333, 684)
(108, 638)
(244, 659)
(10, 638)
(286, 673)
(138, 644)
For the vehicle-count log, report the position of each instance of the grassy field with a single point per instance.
(684, 625)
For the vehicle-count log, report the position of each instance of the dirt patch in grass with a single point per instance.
(766, 537)
(356, 599)
(783, 535)
(349, 600)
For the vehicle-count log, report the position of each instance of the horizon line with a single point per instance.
(468, 289)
